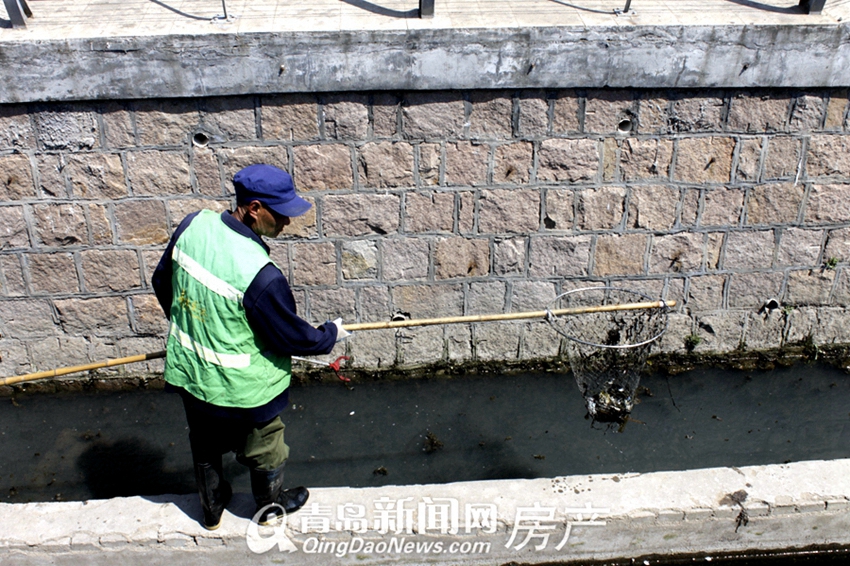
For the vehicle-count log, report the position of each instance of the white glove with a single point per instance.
(341, 333)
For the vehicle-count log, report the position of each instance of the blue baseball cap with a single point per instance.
(271, 186)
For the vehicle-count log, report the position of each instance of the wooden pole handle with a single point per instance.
(508, 316)
(357, 327)
(86, 367)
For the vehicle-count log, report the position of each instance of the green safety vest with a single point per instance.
(212, 351)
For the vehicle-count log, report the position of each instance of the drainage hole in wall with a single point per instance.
(200, 139)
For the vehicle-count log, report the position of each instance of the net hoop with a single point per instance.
(552, 317)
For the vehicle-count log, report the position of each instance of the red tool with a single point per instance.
(334, 365)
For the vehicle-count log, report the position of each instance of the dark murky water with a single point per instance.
(83, 446)
(808, 558)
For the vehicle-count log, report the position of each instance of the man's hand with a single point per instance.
(341, 333)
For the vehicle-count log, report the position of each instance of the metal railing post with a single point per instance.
(18, 12)
(426, 8)
(812, 6)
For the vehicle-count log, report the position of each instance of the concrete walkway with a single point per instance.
(61, 19)
(102, 50)
(707, 513)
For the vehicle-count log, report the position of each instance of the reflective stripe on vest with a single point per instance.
(211, 356)
(205, 278)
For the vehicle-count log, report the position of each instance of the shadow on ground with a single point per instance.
(130, 466)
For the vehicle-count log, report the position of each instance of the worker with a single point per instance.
(233, 327)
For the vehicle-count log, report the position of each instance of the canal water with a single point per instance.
(99, 445)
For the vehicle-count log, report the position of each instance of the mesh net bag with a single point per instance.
(608, 350)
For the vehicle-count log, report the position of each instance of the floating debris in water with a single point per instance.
(642, 390)
(432, 443)
(89, 435)
(380, 471)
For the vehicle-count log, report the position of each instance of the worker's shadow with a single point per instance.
(768, 7)
(382, 11)
(179, 12)
(128, 467)
(133, 467)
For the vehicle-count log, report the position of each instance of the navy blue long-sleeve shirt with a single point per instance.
(271, 312)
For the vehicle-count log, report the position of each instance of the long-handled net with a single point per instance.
(608, 350)
(617, 320)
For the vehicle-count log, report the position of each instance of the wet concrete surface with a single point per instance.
(100, 445)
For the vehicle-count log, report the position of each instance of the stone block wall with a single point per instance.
(438, 204)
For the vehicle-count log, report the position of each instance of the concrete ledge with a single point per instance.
(564, 519)
(656, 57)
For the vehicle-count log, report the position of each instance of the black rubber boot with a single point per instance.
(215, 493)
(267, 489)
